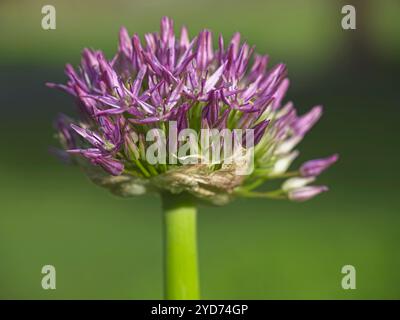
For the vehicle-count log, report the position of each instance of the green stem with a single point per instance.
(181, 274)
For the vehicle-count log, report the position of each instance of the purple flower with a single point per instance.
(96, 157)
(306, 193)
(259, 130)
(168, 78)
(315, 167)
(303, 124)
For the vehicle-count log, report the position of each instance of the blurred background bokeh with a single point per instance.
(105, 247)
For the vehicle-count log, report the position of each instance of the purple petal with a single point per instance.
(146, 107)
(307, 121)
(66, 88)
(96, 157)
(306, 193)
(138, 81)
(213, 79)
(108, 74)
(259, 131)
(167, 29)
(88, 103)
(110, 165)
(204, 49)
(93, 138)
(175, 95)
(315, 167)
(184, 39)
(125, 43)
(280, 93)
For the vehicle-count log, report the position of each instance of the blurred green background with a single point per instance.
(105, 247)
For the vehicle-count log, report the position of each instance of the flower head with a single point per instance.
(154, 92)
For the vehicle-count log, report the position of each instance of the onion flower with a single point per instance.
(196, 121)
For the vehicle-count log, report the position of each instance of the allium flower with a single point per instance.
(174, 84)
(166, 79)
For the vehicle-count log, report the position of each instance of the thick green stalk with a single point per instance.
(180, 251)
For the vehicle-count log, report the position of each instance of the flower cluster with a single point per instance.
(148, 85)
